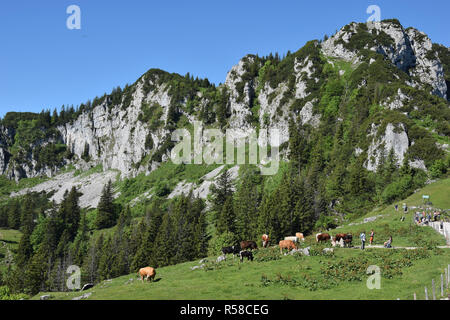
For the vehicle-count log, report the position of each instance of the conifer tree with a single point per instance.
(106, 215)
(165, 242)
(184, 223)
(227, 218)
(14, 215)
(247, 202)
(105, 261)
(220, 192)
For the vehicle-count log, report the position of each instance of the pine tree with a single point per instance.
(36, 274)
(247, 202)
(220, 192)
(70, 212)
(105, 261)
(124, 218)
(91, 262)
(184, 232)
(164, 242)
(200, 229)
(25, 250)
(14, 215)
(106, 215)
(227, 218)
(81, 242)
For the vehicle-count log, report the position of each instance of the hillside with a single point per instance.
(302, 276)
(360, 120)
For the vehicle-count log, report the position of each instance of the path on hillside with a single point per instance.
(396, 247)
(445, 232)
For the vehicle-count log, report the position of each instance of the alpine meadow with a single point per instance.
(363, 118)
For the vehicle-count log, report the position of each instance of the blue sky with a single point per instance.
(45, 65)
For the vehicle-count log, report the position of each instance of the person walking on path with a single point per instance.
(371, 237)
(362, 236)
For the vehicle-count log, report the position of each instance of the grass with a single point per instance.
(8, 239)
(404, 233)
(273, 276)
(236, 280)
(7, 186)
(97, 169)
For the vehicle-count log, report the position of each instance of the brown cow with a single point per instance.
(265, 240)
(248, 245)
(287, 244)
(322, 237)
(148, 272)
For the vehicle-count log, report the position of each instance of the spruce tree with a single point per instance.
(105, 261)
(165, 247)
(184, 230)
(227, 218)
(106, 215)
(14, 215)
(220, 192)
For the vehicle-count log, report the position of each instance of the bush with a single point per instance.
(397, 190)
(225, 239)
(267, 254)
(5, 294)
(439, 168)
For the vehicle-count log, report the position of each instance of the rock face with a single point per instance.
(409, 50)
(393, 138)
(90, 186)
(240, 102)
(114, 135)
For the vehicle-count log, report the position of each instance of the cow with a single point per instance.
(230, 250)
(248, 245)
(339, 236)
(300, 236)
(246, 254)
(348, 238)
(265, 240)
(287, 244)
(322, 237)
(148, 273)
(293, 239)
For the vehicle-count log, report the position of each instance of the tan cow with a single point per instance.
(148, 273)
(300, 236)
(265, 240)
(287, 244)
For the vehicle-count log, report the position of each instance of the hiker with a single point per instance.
(362, 236)
(396, 207)
(371, 237)
(388, 244)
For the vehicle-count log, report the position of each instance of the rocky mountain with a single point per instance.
(387, 85)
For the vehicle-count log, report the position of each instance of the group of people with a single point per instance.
(426, 217)
(362, 237)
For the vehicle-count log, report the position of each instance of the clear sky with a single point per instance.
(44, 65)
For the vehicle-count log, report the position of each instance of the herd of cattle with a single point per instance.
(289, 243)
(244, 249)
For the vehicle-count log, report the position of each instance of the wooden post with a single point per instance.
(448, 274)
(446, 278)
(415, 296)
(426, 293)
(442, 285)
(434, 289)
